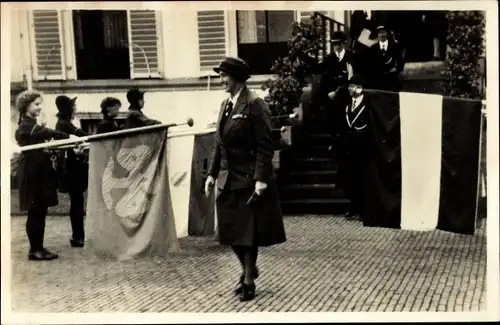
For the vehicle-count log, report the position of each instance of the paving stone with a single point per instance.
(328, 264)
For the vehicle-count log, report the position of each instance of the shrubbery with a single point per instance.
(465, 41)
(285, 89)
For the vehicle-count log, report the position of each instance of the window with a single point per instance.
(263, 36)
(108, 44)
(211, 38)
(47, 52)
(101, 44)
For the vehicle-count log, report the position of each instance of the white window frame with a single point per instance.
(159, 44)
(36, 76)
(69, 44)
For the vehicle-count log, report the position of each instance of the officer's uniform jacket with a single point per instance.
(242, 154)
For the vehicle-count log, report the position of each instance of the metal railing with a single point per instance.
(329, 25)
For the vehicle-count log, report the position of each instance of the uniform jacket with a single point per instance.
(242, 155)
(37, 174)
(244, 151)
(354, 124)
(382, 62)
(107, 125)
(136, 119)
(335, 73)
(354, 132)
(73, 169)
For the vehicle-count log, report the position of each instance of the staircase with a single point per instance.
(307, 175)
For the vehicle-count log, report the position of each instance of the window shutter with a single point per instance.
(47, 49)
(143, 44)
(211, 38)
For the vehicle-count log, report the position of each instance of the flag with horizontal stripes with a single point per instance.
(129, 205)
(423, 167)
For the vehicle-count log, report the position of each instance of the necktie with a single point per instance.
(225, 116)
(229, 108)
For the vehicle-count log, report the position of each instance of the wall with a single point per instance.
(166, 106)
(180, 43)
(16, 65)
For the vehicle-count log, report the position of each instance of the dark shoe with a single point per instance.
(248, 292)
(239, 287)
(49, 255)
(349, 215)
(42, 255)
(36, 256)
(77, 242)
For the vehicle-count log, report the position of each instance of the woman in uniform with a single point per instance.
(247, 200)
(74, 175)
(37, 172)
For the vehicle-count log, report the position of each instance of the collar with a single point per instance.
(135, 108)
(357, 100)
(234, 99)
(384, 44)
(340, 56)
(29, 119)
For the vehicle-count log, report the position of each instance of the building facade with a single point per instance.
(170, 54)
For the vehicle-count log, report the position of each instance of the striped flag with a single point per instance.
(188, 159)
(424, 162)
(201, 209)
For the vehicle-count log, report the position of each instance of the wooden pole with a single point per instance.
(479, 172)
(102, 136)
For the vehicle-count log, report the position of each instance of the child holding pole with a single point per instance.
(37, 172)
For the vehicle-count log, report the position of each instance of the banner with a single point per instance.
(129, 206)
(201, 208)
(423, 162)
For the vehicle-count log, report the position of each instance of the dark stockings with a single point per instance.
(35, 225)
(76, 215)
(240, 253)
(248, 260)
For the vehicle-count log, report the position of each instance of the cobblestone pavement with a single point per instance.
(328, 264)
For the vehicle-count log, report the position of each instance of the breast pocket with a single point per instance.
(241, 130)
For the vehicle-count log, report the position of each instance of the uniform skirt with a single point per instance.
(256, 224)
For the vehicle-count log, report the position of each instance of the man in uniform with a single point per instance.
(386, 62)
(353, 139)
(336, 70)
(135, 116)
